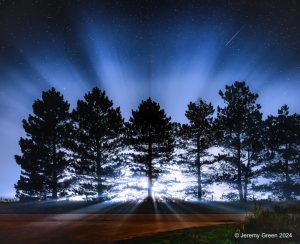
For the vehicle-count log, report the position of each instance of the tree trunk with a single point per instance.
(98, 171)
(150, 187)
(287, 178)
(247, 178)
(150, 175)
(239, 180)
(99, 190)
(199, 180)
(54, 189)
(54, 171)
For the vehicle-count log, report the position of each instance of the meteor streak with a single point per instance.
(231, 39)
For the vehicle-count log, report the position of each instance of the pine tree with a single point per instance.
(98, 128)
(239, 122)
(44, 158)
(282, 165)
(149, 132)
(198, 137)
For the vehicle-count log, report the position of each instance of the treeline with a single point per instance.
(83, 151)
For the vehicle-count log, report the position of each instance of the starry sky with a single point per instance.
(173, 51)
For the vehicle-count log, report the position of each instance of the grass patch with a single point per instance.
(276, 220)
(281, 218)
(222, 234)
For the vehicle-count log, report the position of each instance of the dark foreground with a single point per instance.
(99, 228)
(144, 222)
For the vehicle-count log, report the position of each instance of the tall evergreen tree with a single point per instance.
(282, 165)
(44, 158)
(238, 121)
(98, 128)
(198, 136)
(150, 133)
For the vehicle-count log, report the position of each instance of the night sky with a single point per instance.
(173, 51)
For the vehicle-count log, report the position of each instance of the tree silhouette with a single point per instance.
(44, 158)
(149, 132)
(238, 122)
(198, 137)
(282, 155)
(86, 147)
(96, 143)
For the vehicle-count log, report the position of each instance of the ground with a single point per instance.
(100, 228)
(69, 222)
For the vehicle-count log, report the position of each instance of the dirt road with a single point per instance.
(99, 228)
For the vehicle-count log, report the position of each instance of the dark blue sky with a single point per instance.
(174, 51)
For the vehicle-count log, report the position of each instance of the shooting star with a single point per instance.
(231, 39)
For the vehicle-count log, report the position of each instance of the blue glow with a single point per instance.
(174, 60)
